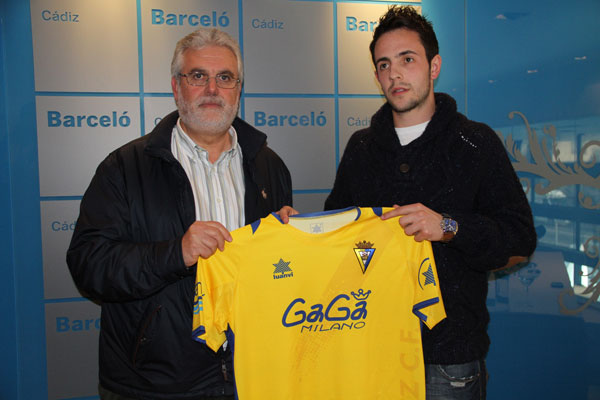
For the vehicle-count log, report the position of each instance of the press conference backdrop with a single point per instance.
(100, 78)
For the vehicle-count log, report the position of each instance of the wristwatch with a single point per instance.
(449, 227)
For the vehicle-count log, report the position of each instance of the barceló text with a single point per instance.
(56, 119)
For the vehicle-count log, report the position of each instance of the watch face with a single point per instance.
(450, 225)
(449, 228)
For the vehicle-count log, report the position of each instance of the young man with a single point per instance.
(455, 186)
(157, 204)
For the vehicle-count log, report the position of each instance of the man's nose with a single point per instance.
(396, 73)
(211, 85)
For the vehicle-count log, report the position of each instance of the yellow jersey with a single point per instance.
(329, 306)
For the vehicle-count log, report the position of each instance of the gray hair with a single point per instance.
(201, 38)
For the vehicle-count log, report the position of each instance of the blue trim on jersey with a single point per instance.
(230, 338)
(197, 332)
(330, 212)
(255, 225)
(358, 214)
(231, 344)
(322, 213)
(378, 211)
(277, 216)
(417, 307)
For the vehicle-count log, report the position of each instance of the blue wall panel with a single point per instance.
(22, 187)
(8, 334)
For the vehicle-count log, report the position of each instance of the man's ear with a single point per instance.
(174, 86)
(436, 66)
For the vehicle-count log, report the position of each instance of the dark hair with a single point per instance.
(408, 18)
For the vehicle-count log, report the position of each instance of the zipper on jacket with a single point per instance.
(143, 338)
(224, 370)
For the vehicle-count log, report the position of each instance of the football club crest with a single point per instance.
(364, 253)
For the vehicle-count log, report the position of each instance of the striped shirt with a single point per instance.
(218, 187)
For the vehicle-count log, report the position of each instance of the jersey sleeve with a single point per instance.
(428, 303)
(213, 298)
(216, 279)
(204, 327)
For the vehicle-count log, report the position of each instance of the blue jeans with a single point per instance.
(456, 381)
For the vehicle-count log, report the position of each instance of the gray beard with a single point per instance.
(196, 119)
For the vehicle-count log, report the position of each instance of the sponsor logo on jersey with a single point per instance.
(360, 295)
(282, 270)
(364, 253)
(341, 313)
(426, 276)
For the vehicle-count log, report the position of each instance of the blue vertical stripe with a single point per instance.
(241, 42)
(141, 68)
(29, 321)
(336, 86)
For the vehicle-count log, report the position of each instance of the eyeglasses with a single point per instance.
(224, 81)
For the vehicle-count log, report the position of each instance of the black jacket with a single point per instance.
(126, 254)
(459, 167)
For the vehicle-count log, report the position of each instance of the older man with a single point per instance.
(153, 207)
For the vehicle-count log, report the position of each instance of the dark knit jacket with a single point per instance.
(126, 253)
(459, 167)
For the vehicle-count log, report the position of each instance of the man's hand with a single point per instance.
(202, 239)
(285, 213)
(417, 220)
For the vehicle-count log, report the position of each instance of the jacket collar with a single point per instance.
(251, 140)
(382, 123)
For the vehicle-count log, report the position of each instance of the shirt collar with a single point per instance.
(192, 149)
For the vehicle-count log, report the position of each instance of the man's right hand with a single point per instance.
(202, 239)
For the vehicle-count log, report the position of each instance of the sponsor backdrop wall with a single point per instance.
(80, 78)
